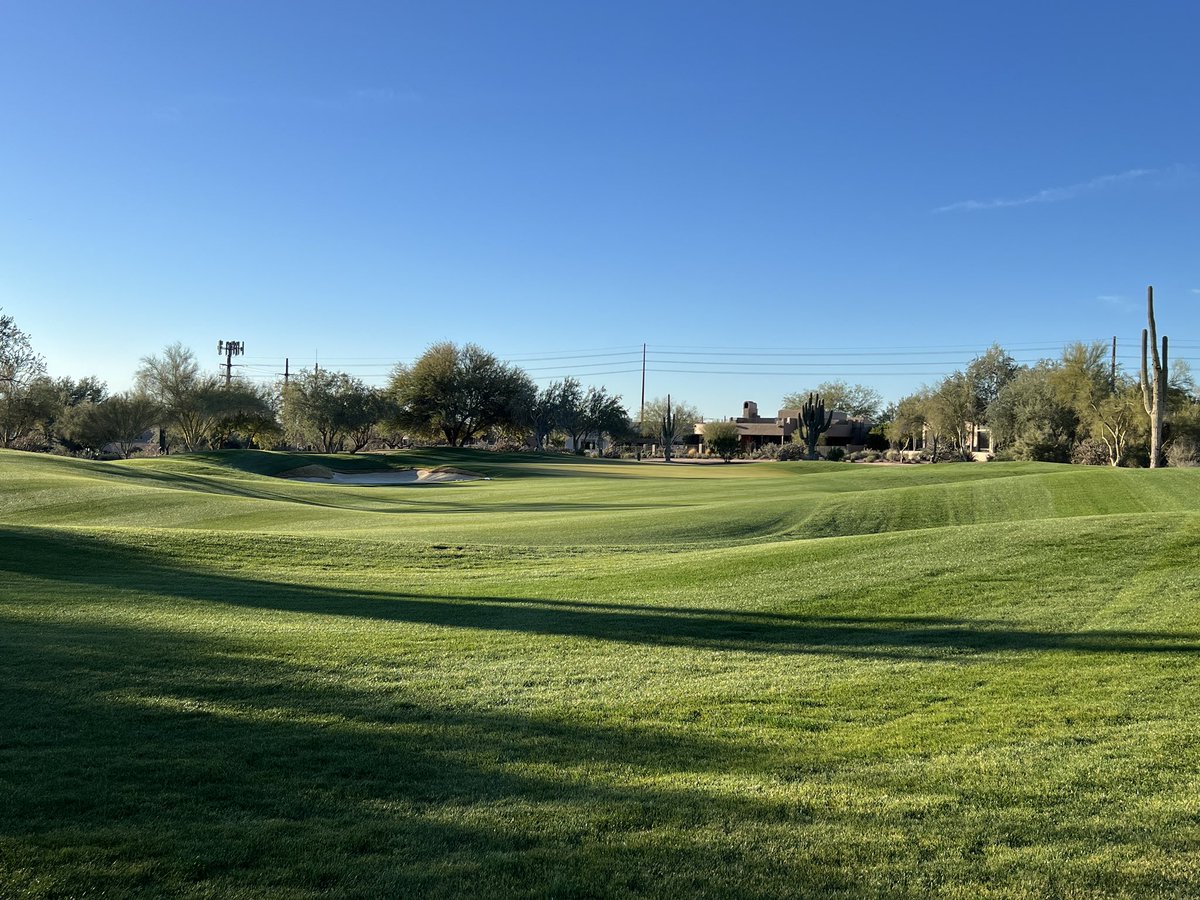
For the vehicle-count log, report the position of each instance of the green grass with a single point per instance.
(588, 678)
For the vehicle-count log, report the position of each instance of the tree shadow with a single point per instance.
(400, 499)
(136, 760)
(74, 557)
(167, 761)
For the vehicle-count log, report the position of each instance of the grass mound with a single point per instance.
(309, 471)
(597, 678)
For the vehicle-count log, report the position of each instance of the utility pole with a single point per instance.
(230, 349)
(642, 412)
(286, 371)
(1112, 378)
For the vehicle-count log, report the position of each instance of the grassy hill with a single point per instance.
(590, 678)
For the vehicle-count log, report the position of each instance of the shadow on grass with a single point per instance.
(139, 761)
(495, 465)
(155, 762)
(401, 498)
(76, 558)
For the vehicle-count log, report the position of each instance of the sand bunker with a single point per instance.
(325, 475)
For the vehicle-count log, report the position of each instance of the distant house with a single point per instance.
(978, 440)
(756, 431)
(589, 443)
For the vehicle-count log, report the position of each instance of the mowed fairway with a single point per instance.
(589, 678)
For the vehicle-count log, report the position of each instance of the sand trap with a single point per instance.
(325, 475)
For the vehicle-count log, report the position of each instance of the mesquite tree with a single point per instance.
(1154, 385)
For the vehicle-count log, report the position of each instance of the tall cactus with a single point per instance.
(1154, 389)
(814, 422)
(668, 431)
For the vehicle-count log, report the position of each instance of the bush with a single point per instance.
(789, 452)
(722, 438)
(1090, 452)
(1183, 453)
(835, 454)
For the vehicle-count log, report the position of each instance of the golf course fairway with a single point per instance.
(589, 678)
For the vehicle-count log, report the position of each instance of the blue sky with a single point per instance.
(767, 194)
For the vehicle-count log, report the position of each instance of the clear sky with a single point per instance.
(767, 194)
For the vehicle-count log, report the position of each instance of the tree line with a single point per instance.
(1077, 408)
(451, 394)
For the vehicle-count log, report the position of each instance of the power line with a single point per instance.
(921, 361)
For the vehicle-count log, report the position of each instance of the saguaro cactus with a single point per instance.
(814, 422)
(1154, 384)
(668, 431)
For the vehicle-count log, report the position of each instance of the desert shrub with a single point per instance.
(722, 438)
(1090, 452)
(871, 456)
(835, 454)
(789, 452)
(894, 456)
(1038, 446)
(1183, 452)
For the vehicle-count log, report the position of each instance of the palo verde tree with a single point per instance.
(458, 393)
(949, 411)
(1116, 420)
(907, 425)
(188, 400)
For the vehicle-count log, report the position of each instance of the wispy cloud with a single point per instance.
(1196, 290)
(1116, 301)
(1070, 192)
